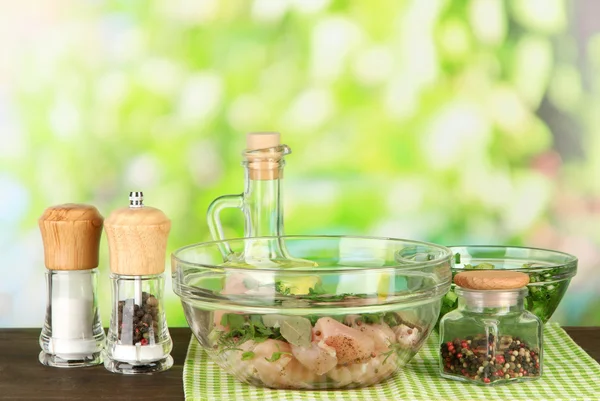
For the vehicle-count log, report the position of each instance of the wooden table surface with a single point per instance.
(22, 377)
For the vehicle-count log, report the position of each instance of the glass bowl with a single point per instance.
(550, 273)
(311, 312)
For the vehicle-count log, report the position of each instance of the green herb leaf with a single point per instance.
(281, 288)
(276, 356)
(479, 266)
(339, 318)
(256, 320)
(247, 355)
(317, 290)
(318, 293)
(391, 319)
(372, 318)
(397, 349)
(450, 298)
(233, 320)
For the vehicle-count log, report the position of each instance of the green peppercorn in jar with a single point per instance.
(490, 338)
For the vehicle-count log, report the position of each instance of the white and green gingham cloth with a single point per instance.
(569, 373)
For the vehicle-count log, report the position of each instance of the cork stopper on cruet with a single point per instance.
(71, 235)
(264, 153)
(137, 238)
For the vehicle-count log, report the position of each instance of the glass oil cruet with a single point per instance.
(72, 335)
(261, 203)
(138, 337)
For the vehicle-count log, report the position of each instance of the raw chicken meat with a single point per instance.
(285, 372)
(381, 334)
(351, 345)
(270, 373)
(366, 373)
(319, 357)
(407, 336)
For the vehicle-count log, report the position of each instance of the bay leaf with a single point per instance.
(297, 330)
(273, 320)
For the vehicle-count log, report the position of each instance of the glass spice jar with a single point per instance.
(490, 338)
(138, 338)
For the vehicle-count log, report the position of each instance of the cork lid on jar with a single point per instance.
(491, 280)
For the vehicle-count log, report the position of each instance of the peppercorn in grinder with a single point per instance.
(72, 335)
(138, 337)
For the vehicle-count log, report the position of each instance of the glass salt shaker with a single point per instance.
(491, 338)
(72, 335)
(138, 337)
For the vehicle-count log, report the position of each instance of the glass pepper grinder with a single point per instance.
(491, 338)
(72, 335)
(261, 203)
(138, 337)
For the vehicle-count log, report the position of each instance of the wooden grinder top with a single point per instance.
(491, 280)
(71, 236)
(137, 238)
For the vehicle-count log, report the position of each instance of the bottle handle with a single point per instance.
(213, 216)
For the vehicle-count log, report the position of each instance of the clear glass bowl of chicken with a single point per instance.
(311, 312)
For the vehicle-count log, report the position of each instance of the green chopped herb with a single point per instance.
(317, 290)
(450, 298)
(281, 288)
(247, 355)
(395, 348)
(479, 266)
(276, 356)
(371, 318)
(339, 318)
(242, 331)
(233, 320)
(318, 293)
(391, 319)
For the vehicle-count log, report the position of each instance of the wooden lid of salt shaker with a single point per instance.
(71, 235)
(263, 165)
(137, 238)
(491, 280)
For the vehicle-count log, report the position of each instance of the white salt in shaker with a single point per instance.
(138, 337)
(72, 335)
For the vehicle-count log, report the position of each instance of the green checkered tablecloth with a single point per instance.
(569, 374)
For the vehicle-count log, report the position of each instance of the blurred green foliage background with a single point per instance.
(468, 121)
